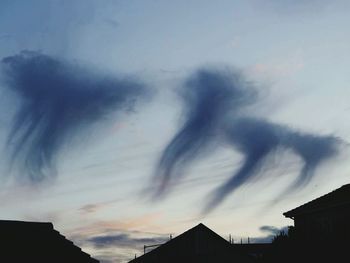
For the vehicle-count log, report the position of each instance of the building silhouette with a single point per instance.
(324, 219)
(255, 251)
(320, 233)
(37, 242)
(198, 244)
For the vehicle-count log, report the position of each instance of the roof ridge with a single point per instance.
(313, 201)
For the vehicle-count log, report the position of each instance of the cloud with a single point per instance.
(123, 225)
(271, 232)
(118, 246)
(271, 229)
(258, 139)
(95, 207)
(58, 100)
(124, 240)
(214, 110)
(205, 107)
(90, 208)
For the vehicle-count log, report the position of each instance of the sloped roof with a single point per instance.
(198, 244)
(336, 198)
(37, 242)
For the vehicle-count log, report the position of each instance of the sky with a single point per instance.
(90, 106)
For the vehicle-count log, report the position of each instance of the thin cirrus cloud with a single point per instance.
(101, 227)
(271, 233)
(58, 100)
(124, 240)
(215, 103)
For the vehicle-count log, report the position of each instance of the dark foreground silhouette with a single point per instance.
(321, 233)
(37, 242)
(199, 244)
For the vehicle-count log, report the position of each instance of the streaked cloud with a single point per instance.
(58, 101)
(124, 240)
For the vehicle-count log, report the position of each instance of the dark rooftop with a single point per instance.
(336, 198)
(37, 242)
(198, 244)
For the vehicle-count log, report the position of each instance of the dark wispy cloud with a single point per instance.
(257, 139)
(124, 240)
(205, 108)
(214, 103)
(57, 101)
(271, 232)
(272, 229)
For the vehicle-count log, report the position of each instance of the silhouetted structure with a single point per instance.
(199, 244)
(325, 219)
(254, 250)
(37, 242)
(320, 233)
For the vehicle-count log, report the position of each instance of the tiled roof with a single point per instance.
(336, 198)
(37, 242)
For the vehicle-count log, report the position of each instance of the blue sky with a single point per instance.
(296, 53)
